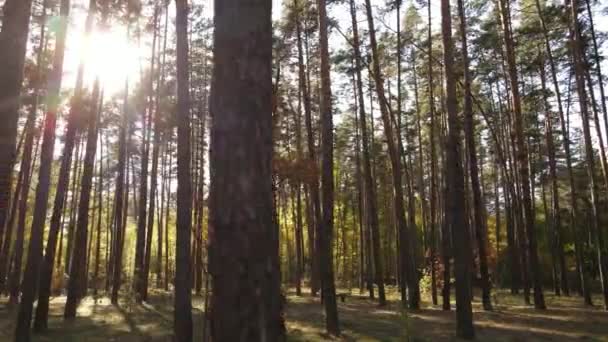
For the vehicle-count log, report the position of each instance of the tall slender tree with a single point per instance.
(469, 133)
(455, 183)
(521, 154)
(396, 164)
(579, 73)
(77, 273)
(182, 316)
(326, 226)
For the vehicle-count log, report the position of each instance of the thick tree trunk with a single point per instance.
(242, 213)
(13, 43)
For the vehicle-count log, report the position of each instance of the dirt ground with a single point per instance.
(360, 318)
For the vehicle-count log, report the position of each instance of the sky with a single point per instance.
(112, 58)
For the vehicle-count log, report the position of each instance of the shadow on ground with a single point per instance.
(361, 319)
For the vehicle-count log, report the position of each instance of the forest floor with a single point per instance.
(360, 318)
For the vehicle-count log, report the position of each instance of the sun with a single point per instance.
(109, 55)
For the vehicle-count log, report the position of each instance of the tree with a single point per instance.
(182, 315)
(325, 227)
(566, 142)
(33, 266)
(455, 183)
(243, 250)
(578, 61)
(370, 187)
(469, 134)
(13, 43)
(46, 268)
(76, 287)
(395, 165)
(144, 228)
(521, 155)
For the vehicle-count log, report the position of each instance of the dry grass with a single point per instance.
(360, 318)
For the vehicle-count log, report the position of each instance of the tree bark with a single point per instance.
(182, 315)
(243, 250)
(13, 44)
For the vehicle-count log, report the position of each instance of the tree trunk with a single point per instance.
(144, 229)
(314, 186)
(167, 208)
(183, 298)
(578, 57)
(77, 267)
(481, 229)
(432, 142)
(31, 274)
(100, 203)
(396, 168)
(597, 59)
(242, 213)
(522, 158)
(5, 259)
(555, 206)
(121, 200)
(455, 183)
(13, 44)
(298, 123)
(54, 86)
(326, 226)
